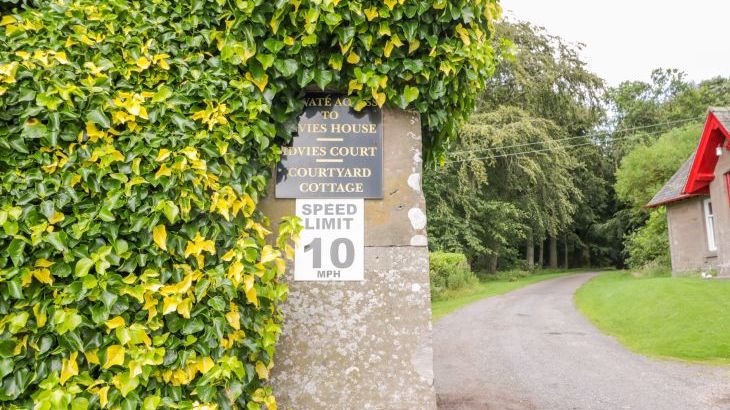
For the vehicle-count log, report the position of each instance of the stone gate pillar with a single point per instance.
(366, 344)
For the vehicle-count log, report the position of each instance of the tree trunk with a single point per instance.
(493, 264)
(553, 245)
(541, 255)
(565, 250)
(530, 252)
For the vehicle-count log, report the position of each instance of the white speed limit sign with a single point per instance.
(332, 243)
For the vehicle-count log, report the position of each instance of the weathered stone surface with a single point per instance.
(366, 345)
(360, 345)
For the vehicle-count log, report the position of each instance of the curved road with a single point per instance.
(531, 349)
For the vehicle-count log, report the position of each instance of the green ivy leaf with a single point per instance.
(99, 118)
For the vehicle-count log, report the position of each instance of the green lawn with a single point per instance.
(452, 300)
(682, 318)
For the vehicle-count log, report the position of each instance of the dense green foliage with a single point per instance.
(682, 318)
(649, 244)
(481, 202)
(136, 142)
(648, 166)
(449, 271)
(642, 173)
(523, 170)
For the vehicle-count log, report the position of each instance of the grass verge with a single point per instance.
(499, 284)
(681, 318)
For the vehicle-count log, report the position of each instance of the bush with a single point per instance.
(449, 271)
(649, 244)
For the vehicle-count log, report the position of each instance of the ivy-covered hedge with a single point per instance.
(136, 139)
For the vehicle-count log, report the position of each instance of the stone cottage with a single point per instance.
(697, 199)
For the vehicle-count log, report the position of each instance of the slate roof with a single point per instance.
(723, 115)
(673, 189)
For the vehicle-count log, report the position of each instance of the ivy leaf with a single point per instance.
(69, 368)
(15, 250)
(287, 67)
(99, 118)
(410, 94)
(114, 356)
(323, 78)
(83, 266)
(159, 235)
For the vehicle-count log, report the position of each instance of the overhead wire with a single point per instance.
(576, 137)
(509, 154)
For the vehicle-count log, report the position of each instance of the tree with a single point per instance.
(486, 199)
(543, 75)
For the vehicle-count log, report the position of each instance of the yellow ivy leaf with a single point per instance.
(371, 13)
(115, 323)
(92, 357)
(43, 275)
(169, 304)
(353, 58)
(178, 288)
(7, 19)
(360, 105)
(22, 344)
(353, 86)
(103, 396)
(56, 218)
(268, 254)
(43, 263)
(205, 364)
(390, 3)
(260, 83)
(164, 171)
(464, 34)
(163, 154)
(143, 63)
(388, 48)
(69, 368)
(413, 45)
(233, 318)
(183, 308)
(40, 316)
(114, 356)
(261, 370)
(159, 234)
(379, 98)
(251, 296)
(199, 245)
(229, 255)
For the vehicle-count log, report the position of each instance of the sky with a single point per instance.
(627, 39)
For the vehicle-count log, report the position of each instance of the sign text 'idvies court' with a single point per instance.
(336, 153)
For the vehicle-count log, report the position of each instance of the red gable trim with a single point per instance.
(703, 167)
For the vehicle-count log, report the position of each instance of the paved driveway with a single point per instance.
(531, 349)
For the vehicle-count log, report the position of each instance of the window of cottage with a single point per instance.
(710, 225)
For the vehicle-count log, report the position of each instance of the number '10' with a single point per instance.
(316, 247)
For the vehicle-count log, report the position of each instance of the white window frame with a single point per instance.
(709, 225)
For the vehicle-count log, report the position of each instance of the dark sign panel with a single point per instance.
(337, 152)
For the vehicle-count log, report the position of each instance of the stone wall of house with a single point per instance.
(688, 237)
(721, 209)
(366, 345)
